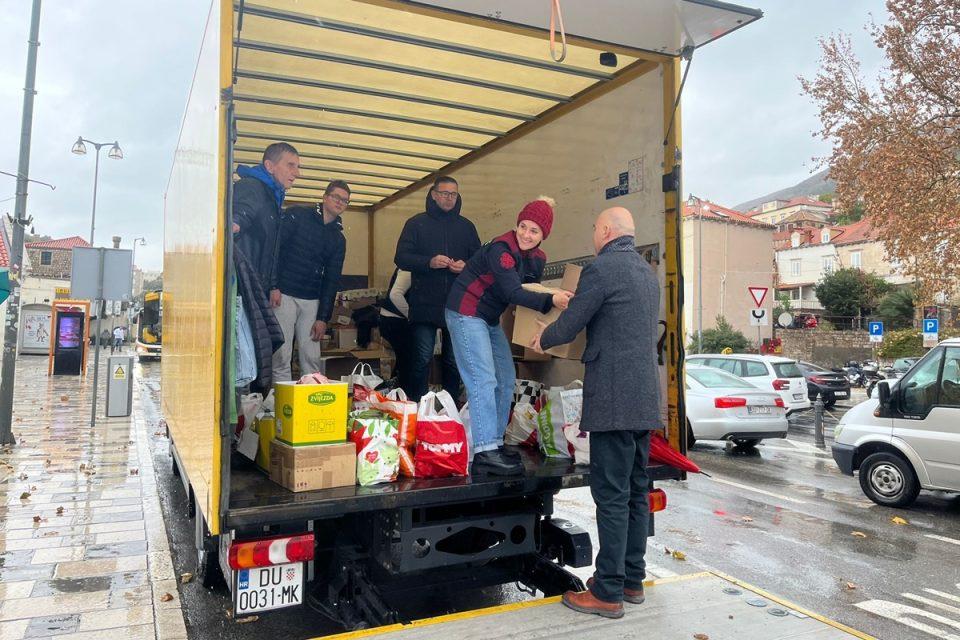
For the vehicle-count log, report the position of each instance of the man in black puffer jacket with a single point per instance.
(312, 248)
(434, 247)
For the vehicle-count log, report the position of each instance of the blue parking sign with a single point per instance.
(876, 328)
(931, 325)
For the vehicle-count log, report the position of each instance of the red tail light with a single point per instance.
(818, 380)
(779, 403)
(271, 551)
(780, 385)
(658, 500)
(729, 402)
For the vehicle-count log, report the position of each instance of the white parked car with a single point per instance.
(721, 406)
(907, 438)
(770, 373)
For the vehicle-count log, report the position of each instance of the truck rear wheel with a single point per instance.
(889, 480)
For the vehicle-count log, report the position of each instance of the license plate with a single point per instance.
(758, 411)
(265, 588)
(798, 396)
(841, 394)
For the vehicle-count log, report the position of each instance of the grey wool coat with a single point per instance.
(618, 301)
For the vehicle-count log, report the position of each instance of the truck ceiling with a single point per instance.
(385, 93)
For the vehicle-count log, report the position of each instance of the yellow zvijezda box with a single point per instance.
(310, 413)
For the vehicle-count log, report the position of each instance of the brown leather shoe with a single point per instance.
(633, 596)
(586, 602)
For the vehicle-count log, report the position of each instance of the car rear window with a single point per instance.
(787, 370)
(715, 379)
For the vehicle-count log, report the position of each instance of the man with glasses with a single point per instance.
(434, 247)
(310, 260)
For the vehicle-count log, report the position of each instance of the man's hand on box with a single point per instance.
(317, 330)
(535, 341)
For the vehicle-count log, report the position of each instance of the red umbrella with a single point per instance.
(661, 451)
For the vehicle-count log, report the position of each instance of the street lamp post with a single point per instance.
(115, 153)
(136, 241)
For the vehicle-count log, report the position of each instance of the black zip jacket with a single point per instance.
(267, 334)
(425, 235)
(311, 257)
(255, 210)
(492, 280)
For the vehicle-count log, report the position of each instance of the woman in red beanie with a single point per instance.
(489, 283)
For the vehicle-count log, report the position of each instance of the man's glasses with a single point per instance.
(339, 200)
(446, 195)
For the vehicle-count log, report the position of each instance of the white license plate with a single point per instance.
(841, 394)
(798, 396)
(265, 588)
(758, 411)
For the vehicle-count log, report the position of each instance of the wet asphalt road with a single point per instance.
(780, 517)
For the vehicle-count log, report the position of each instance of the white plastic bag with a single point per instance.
(580, 441)
(361, 384)
(522, 429)
(468, 428)
(563, 406)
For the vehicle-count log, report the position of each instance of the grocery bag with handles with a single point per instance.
(441, 438)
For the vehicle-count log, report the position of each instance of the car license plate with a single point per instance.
(758, 411)
(798, 396)
(841, 394)
(265, 588)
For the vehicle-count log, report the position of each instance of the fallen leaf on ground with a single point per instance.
(849, 586)
(898, 520)
(22, 476)
(248, 619)
(134, 472)
(50, 534)
(37, 518)
(185, 578)
(858, 534)
(701, 636)
(59, 511)
(64, 398)
(166, 597)
(83, 465)
(678, 555)
(25, 495)
(747, 519)
(47, 462)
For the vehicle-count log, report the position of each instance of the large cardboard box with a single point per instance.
(527, 322)
(315, 467)
(346, 338)
(309, 414)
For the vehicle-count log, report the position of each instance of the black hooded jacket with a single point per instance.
(425, 235)
(311, 257)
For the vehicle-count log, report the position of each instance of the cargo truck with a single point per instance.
(149, 343)
(387, 95)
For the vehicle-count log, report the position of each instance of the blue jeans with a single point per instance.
(423, 340)
(486, 366)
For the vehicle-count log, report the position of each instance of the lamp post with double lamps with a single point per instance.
(115, 153)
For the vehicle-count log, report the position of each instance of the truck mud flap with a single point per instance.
(539, 573)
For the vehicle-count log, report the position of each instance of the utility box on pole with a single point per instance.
(119, 386)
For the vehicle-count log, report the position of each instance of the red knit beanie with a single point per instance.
(540, 212)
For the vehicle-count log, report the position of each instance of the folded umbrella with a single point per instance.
(661, 451)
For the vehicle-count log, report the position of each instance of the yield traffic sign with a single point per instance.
(758, 294)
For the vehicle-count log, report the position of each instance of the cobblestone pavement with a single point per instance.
(83, 546)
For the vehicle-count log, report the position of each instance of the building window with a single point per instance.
(794, 294)
(825, 236)
(795, 239)
(855, 260)
(828, 264)
(794, 267)
(46, 258)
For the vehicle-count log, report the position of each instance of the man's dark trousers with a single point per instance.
(423, 339)
(620, 487)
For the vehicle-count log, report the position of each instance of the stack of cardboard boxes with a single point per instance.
(341, 352)
(522, 324)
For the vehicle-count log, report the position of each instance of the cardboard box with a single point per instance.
(309, 414)
(527, 322)
(346, 338)
(314, 467)
(267, 431)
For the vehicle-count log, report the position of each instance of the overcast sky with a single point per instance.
(120, 70)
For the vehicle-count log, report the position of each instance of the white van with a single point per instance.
(764, 372)
(908, 438)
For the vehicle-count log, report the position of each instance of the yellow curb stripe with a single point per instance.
(790, 605)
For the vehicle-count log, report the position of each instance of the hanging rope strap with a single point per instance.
(556, 16)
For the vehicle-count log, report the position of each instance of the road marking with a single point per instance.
(802, 446)
(945, 596)
(911, 616)
(659, 572)
(756, 490)
(942, 538)
(933, 603)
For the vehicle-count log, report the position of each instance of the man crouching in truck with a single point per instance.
(618, 301)
(312, 248)
(257, 198)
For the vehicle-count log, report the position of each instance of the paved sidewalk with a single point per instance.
(83, 546)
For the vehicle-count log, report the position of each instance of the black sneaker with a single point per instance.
(496, 463)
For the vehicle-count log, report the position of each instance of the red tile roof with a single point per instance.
(4, 248)
(793, 202)
(713, 211)
(861, 231)
(60, 243)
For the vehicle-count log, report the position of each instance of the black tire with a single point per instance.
(174, 468)
(746, 443)
(691, 439)
(829, 404)
(889, 480)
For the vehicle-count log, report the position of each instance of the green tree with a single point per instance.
(896, 309)
(719, 338)
(849, 293)
(851, 215)
(825, 197)
(783, 304)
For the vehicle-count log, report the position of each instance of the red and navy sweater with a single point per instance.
(493, 277)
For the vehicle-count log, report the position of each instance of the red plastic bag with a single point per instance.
(441, 439)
